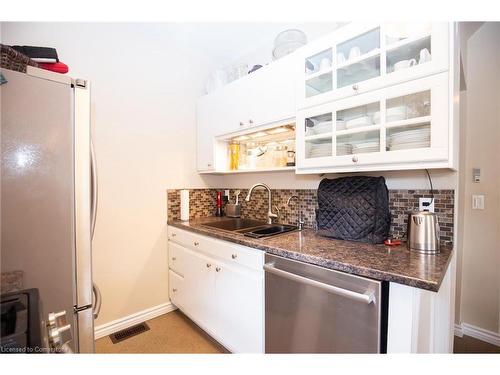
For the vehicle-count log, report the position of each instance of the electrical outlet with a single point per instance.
(478, 202)
(426, 204)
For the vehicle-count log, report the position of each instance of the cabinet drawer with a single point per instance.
(177, 258)
(224, 250)
(176, 288)
(236, 254)
(175, 234)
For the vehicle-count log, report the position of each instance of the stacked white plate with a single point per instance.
(323, 127)
(358, 122)
(368, 146)
(318, 150)
(396, 113)
(408, 139)
(344, 149)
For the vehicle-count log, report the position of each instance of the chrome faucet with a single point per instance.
(270, 214)
(300, 220)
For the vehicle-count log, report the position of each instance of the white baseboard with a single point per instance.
(130, 320)
(478, 333)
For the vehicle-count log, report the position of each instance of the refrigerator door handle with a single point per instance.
(93, 177)
(97, 301)
(82, 186)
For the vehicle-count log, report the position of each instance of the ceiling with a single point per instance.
(225, 43)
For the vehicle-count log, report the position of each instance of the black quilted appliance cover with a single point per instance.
(354, 209)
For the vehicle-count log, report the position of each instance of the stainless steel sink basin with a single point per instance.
(268, 230)
(250, 227)
(234, 225)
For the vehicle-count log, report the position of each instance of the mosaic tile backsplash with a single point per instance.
(202, 203)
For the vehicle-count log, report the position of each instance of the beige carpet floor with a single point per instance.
(169, 333)
(176, 333)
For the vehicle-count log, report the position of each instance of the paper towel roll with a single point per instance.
(185, 205)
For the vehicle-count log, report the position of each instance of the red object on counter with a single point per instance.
(218, 211)
(390, 242)
(58, 67)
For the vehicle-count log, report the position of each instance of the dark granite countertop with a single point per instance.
(394, 264)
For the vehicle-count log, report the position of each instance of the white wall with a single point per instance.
(144, 86)
(480, 242)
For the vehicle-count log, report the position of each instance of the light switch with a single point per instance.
(476, 175)
(478, 202)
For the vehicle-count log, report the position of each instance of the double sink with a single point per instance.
(250, 227)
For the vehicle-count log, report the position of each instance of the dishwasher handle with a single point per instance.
(367, 297)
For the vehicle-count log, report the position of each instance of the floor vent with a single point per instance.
(128, 333)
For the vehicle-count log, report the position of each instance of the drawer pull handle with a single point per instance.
(234, 256)
(174, 290)
(217, 269)
(355, 159)
(209, 265)
(196, 243)
(174, 258)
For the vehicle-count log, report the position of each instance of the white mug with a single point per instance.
(340, 58)
(403, 64)
(354, 52)
(325, 63)
(425, 56)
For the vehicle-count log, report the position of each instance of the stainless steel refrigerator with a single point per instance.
(49, 194)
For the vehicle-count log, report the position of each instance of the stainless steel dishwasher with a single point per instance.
(310, 309)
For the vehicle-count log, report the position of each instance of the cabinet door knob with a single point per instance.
(217, 269)
(234, 256)
(241, 123)
(209, 265)
(174, 234)
(174, 290)
(196, 243)
(355, 159)
(174, 258)
(209, 165)
(355, 87)
(250, 121)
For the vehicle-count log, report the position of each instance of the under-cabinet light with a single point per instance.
(278, 130)
(241, 138)
(258, 135)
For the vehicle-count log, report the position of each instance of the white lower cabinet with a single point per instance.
(224, 297)
(239, 308)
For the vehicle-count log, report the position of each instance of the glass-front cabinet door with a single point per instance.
(392, 128)
(361, 57)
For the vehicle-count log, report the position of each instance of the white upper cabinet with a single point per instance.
(268, 94)
(263, 97)
(362, 57)
(365, 97)
(399, 127)
(205, 132)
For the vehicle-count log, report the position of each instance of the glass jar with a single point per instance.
(279, 159)
(234, 155)
(290, 158)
